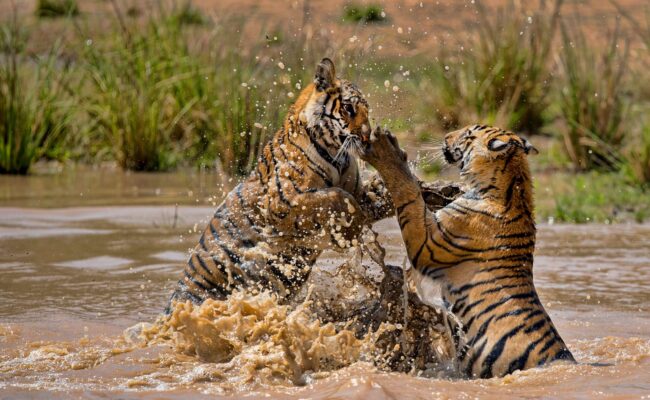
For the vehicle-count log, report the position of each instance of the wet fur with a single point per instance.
(478, 249)
(305, 196)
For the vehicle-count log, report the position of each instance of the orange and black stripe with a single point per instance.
(285, 207)
(479, 248)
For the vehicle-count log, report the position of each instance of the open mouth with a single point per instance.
(449, 156)
(361, 134)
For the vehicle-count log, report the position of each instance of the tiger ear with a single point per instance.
(325, 74)
(529, 148)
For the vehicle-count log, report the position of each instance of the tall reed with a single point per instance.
(500, 74)
(35, 108)
(133, 99)
(638, 152)
(639, 155)
(592, 101)
(237, 108)
(159, 99)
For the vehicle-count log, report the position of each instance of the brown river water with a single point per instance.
(86, 257)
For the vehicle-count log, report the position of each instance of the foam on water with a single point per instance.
(253, 340)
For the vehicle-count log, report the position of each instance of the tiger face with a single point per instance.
(476, 149)
(333, 110)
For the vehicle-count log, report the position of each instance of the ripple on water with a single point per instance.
(593, 278)
(171, 256)
(99, 263)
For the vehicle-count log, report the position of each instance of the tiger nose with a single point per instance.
(448, 140)
(446, 152)
(451, 137)
(365, 132)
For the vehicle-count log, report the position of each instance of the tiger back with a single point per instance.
(478, 249)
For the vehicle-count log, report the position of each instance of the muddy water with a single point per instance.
(76, 276)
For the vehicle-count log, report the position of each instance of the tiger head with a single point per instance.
(333, 110)
(480, 150)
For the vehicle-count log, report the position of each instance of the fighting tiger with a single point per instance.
(304, 196)
(478, 249)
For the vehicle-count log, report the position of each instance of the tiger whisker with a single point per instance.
(435, 141)
(350, 143)
(435, 157)
(432, 148)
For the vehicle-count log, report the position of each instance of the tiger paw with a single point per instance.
(376, 200)
(382, 149)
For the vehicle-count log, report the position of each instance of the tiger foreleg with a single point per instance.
(377, 202)
(419, 226)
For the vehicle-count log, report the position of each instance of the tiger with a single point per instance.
(304, 196)
(477, 251)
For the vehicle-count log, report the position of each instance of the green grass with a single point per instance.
(638, 159)
(637, 154)
(57, 8)
(366, 14)
(158, 98)
(35, 109)
(592, 100)
(501, 74)
(156, 101)
(231, 122)
(590, 197)
(134, 100)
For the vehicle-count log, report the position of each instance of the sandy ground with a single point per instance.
(411, 28)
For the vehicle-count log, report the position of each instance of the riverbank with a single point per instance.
(560, 196)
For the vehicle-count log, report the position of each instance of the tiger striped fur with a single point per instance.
(478, 249)
(305, 196)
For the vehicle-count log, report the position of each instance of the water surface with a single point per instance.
(76, 274)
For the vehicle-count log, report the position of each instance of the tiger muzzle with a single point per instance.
(450, 156)
(365, 133)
